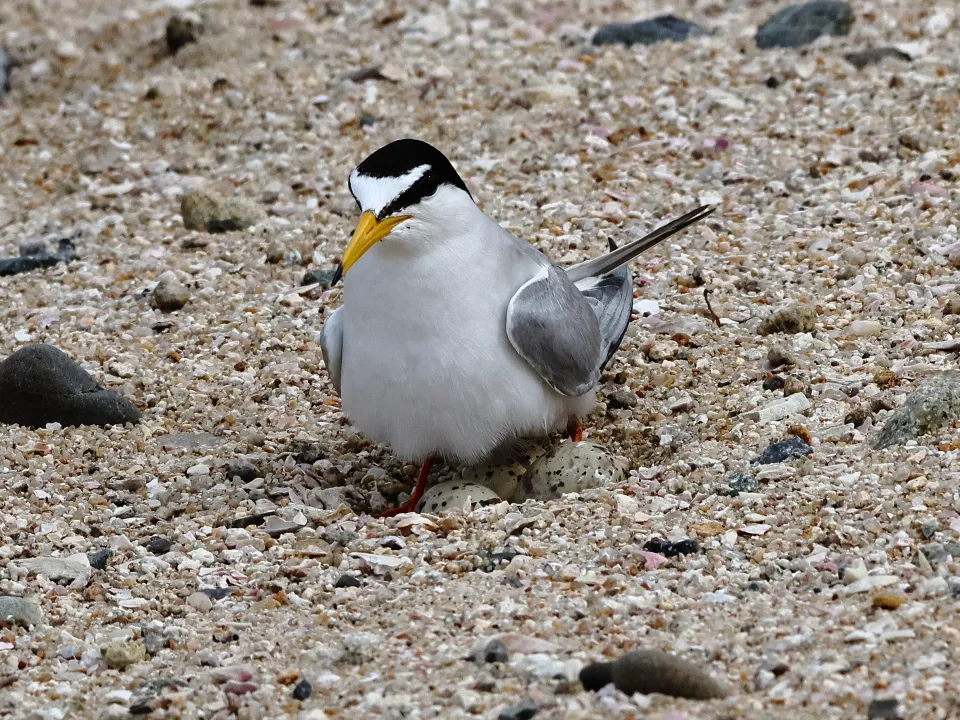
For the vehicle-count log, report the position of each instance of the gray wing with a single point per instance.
(611, 299)
(331, 345)
(556, 332)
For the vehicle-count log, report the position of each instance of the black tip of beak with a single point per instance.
(337, 274)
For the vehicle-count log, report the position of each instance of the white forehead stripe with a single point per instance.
(375, 193)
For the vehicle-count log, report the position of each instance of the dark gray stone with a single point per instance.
(739, 482)
(98, 560)
(874, 55)
(653, 671)
(158, 545)
(7, 64)
(183, 29)
(521, 711)
(783, 451)
(687, 546)
(322, 277)
(39, 260)
(302, 690)
(647, 32)
(800, 25)
(345, 581)
(934, 404)
(885, 709)
(40, 384)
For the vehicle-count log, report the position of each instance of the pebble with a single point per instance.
(687, 546)
(789, 320)
(888, 600)
(933, 405)
(653, 671)
(7, 64)
(780, 409)
(800, 25)
(34, 260)
(863, 58)
(73, 570)
(302, 690)
(782, 451)
(215, 214)
(454, 495)
(780, 356)
(98, 559)
(123, 654)
(647, 32)
(158, 545)
(182, 29)
(493, 652)
(521, 711)
(622, 399)
(345, 581)
(885, 709)
(169, 294)
(200, 601)
(863, 328)
(40, 384)
(570, 467)
(739, 482)
(20, 611)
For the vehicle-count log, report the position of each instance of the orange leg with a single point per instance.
(411, 504)
(575, 428)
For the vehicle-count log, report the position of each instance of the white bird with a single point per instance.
(455, 338)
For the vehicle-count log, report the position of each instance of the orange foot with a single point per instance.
(575, 428)
(411, 504)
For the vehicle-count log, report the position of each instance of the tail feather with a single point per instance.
(622, 255)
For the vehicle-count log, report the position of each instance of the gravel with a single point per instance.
(836, 191)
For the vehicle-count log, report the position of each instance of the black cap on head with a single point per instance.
(426, 168)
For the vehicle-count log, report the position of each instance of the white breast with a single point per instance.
(427, 366)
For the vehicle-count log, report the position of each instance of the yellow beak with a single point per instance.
(369, 231)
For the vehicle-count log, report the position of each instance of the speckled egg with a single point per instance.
(503, 472)
(451, 495)
(569, 467)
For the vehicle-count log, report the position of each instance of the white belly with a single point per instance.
(427, 366)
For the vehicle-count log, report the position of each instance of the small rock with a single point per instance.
(20, 611)
(302, 690)
(214, 214)
(158, 545)
(800, 25)
(780, 409)
(933, 405)
(345, 581)
(885, 709)
(952, 305)
(857, 416)
(275, 253)
(521, 711)
(40, 384)
(568, 468)
(885, 379)
(888, 600)
(493, 652)
(774, 382)
(912, 142)
(875, 55)
(7, 63)
(783, 451)
(242, 471)
(863, 328)
(794, 385)
(653, 671)
(739, 482)
(170, 294)
(200, 601)
(789, 320)
(453, 495)
(66, 252)
(324, 278)
(647, 32)
(780, 356)
(121, 655)
(622, 399)
(663, 350)
(938, 24)
(183, 29)
(687, 546)
(98, 560)
(73, 570)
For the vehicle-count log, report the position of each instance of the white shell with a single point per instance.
(453, 494)
(568, 468)
(502, 473)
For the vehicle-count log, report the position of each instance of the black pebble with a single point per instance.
(739, 482)
(347, 581)
(521, 711)
(799, 25)
(98, 560)
(774, 382)
(37, 261)
(648, 32)
(217, 593)
(302, 690)
(885, 709)
(41, 384)
(782, 451)
(772, 82)
(158, 545)
(687, 546)
(495, 652)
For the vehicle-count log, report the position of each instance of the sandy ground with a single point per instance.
(836, 189)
